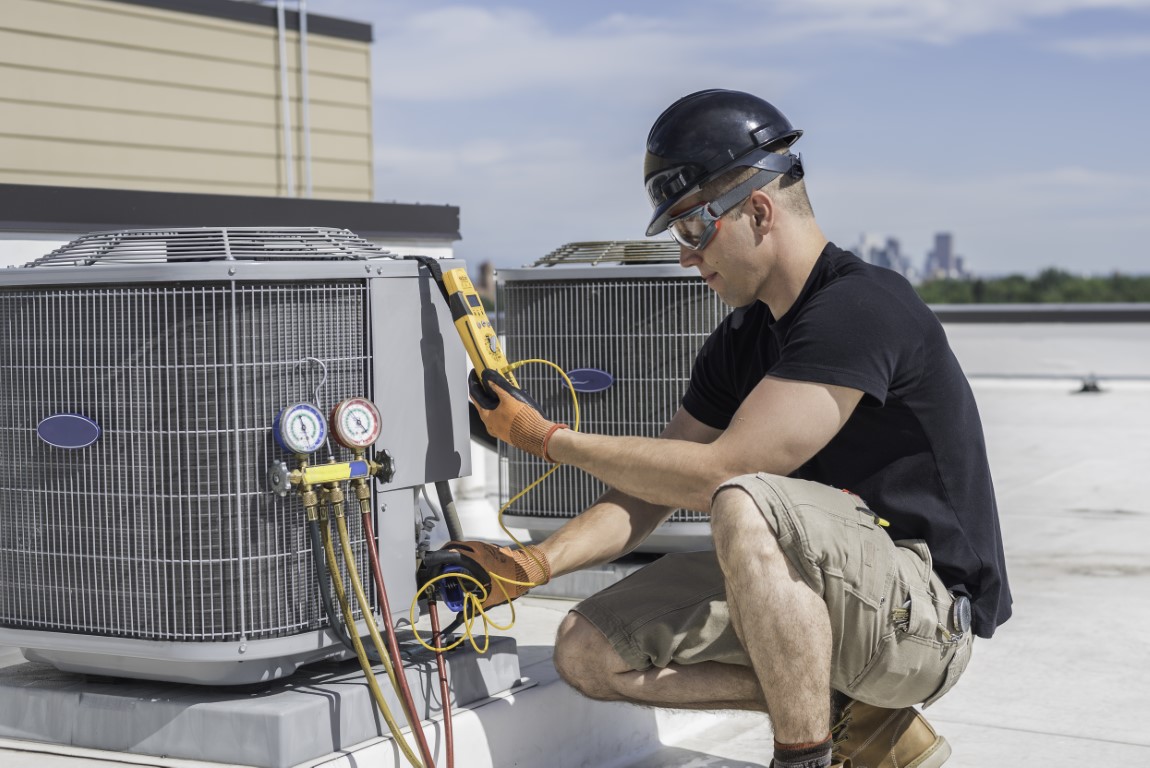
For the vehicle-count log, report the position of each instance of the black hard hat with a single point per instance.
(706, 133)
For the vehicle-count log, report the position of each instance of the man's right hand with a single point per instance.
(499, 568)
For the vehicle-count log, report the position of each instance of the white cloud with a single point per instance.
(934, 21)
(519, 201)
(472, 53)
(1122, 47)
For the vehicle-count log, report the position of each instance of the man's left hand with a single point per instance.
(510, 414)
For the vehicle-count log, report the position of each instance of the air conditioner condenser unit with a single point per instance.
(140, 375)
(625, 321)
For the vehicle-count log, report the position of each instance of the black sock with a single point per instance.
(812, 755)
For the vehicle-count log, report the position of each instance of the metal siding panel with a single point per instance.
(122, 24)
(66, 123)
(84, 91)
(160, 65)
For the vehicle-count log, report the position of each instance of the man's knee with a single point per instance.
(736, 516)
(585, 658)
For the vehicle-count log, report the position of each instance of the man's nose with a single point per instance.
(687, 257)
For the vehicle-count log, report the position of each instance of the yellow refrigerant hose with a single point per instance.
(361, 598)
(361, 654)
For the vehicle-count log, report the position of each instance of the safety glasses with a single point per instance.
(695, 227)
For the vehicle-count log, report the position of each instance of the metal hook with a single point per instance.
(315, 395)
(323, 367)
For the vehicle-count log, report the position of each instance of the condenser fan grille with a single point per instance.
(643, 331)
(164, 528)
(148, 246)
(665, 251)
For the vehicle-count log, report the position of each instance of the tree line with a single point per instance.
(1051, 286)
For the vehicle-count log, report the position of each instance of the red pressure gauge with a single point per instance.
(355, 423)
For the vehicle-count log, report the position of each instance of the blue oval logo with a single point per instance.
(590, 380)
(68, 430)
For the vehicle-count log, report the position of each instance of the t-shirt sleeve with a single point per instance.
(848, 338)
(711, 396)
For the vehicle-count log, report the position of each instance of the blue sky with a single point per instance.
(1021, 126)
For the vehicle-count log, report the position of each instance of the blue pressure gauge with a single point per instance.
(300, 428)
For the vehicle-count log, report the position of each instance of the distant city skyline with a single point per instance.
(941, 261)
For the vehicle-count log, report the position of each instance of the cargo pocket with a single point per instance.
(866, 571)
(954, 669)
(911, 660)
(903, 672)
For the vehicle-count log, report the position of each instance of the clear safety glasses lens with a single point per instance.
(694, 227)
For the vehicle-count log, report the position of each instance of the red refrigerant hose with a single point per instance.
(393, 649)
(444, 688)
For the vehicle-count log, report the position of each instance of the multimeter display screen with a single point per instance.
(473, 300)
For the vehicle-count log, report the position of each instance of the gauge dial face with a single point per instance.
(355, 423)
(300, 428)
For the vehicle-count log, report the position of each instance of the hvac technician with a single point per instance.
(832, 435)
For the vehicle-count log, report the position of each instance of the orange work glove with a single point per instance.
(510, 414)
(495, 567)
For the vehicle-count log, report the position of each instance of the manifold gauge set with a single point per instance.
(301, 429)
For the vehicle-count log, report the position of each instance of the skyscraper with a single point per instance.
(940, 260)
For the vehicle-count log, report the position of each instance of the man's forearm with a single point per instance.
(608, 529)
(672, 473)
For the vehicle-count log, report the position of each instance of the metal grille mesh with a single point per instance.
(645, 332)
(195, 244)
(164, 529)
(664, 251)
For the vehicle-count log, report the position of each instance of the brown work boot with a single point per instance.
(873, 737)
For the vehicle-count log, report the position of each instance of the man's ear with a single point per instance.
(762, 208)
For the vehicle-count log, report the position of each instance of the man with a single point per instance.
(832, 435)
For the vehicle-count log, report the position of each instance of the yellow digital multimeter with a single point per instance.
(473, 325)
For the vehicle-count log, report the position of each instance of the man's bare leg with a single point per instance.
(589, 663)
(781, 622)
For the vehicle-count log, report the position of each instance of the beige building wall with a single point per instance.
(99, 93)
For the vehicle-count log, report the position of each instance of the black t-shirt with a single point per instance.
(913, 449)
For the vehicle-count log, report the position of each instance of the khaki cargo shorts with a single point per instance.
(894, 642)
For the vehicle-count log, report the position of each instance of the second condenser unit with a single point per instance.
(625, 321)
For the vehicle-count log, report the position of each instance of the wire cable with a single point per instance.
(472, 604)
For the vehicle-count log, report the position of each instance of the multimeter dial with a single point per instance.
(300, 428)
(355, 423)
